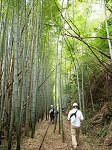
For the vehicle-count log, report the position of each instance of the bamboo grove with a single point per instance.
(25, 67)
(38, 60)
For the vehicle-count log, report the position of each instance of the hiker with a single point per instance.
(56, 112)
(75, 117)
(63, 110)
(51, 112)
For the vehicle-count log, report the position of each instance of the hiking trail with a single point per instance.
(53, 141)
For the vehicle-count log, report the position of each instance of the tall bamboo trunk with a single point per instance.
(3, 60)
(106, 23)
(61, 117)
(56, 85)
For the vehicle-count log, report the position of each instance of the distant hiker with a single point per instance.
(63, 110)
(56, 112)
(75, 117)
(51, 112)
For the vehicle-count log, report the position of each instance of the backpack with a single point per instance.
(51, 111)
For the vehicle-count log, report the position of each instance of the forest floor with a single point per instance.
(53, 141)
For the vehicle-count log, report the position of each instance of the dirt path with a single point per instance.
(52, 140)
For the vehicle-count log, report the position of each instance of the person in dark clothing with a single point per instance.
(56, 112)
(51, 112)
(63, 110)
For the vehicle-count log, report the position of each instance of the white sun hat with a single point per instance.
(75, 104)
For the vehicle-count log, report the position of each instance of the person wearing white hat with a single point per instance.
(75, 117)
(51, 112)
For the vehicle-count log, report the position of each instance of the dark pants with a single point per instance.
(52, 118)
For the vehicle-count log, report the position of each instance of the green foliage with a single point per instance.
(82, 25)
(86, 127)
(50, 13)
(101, 132)
(101, 44)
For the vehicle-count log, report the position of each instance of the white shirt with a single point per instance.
(79, 117)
